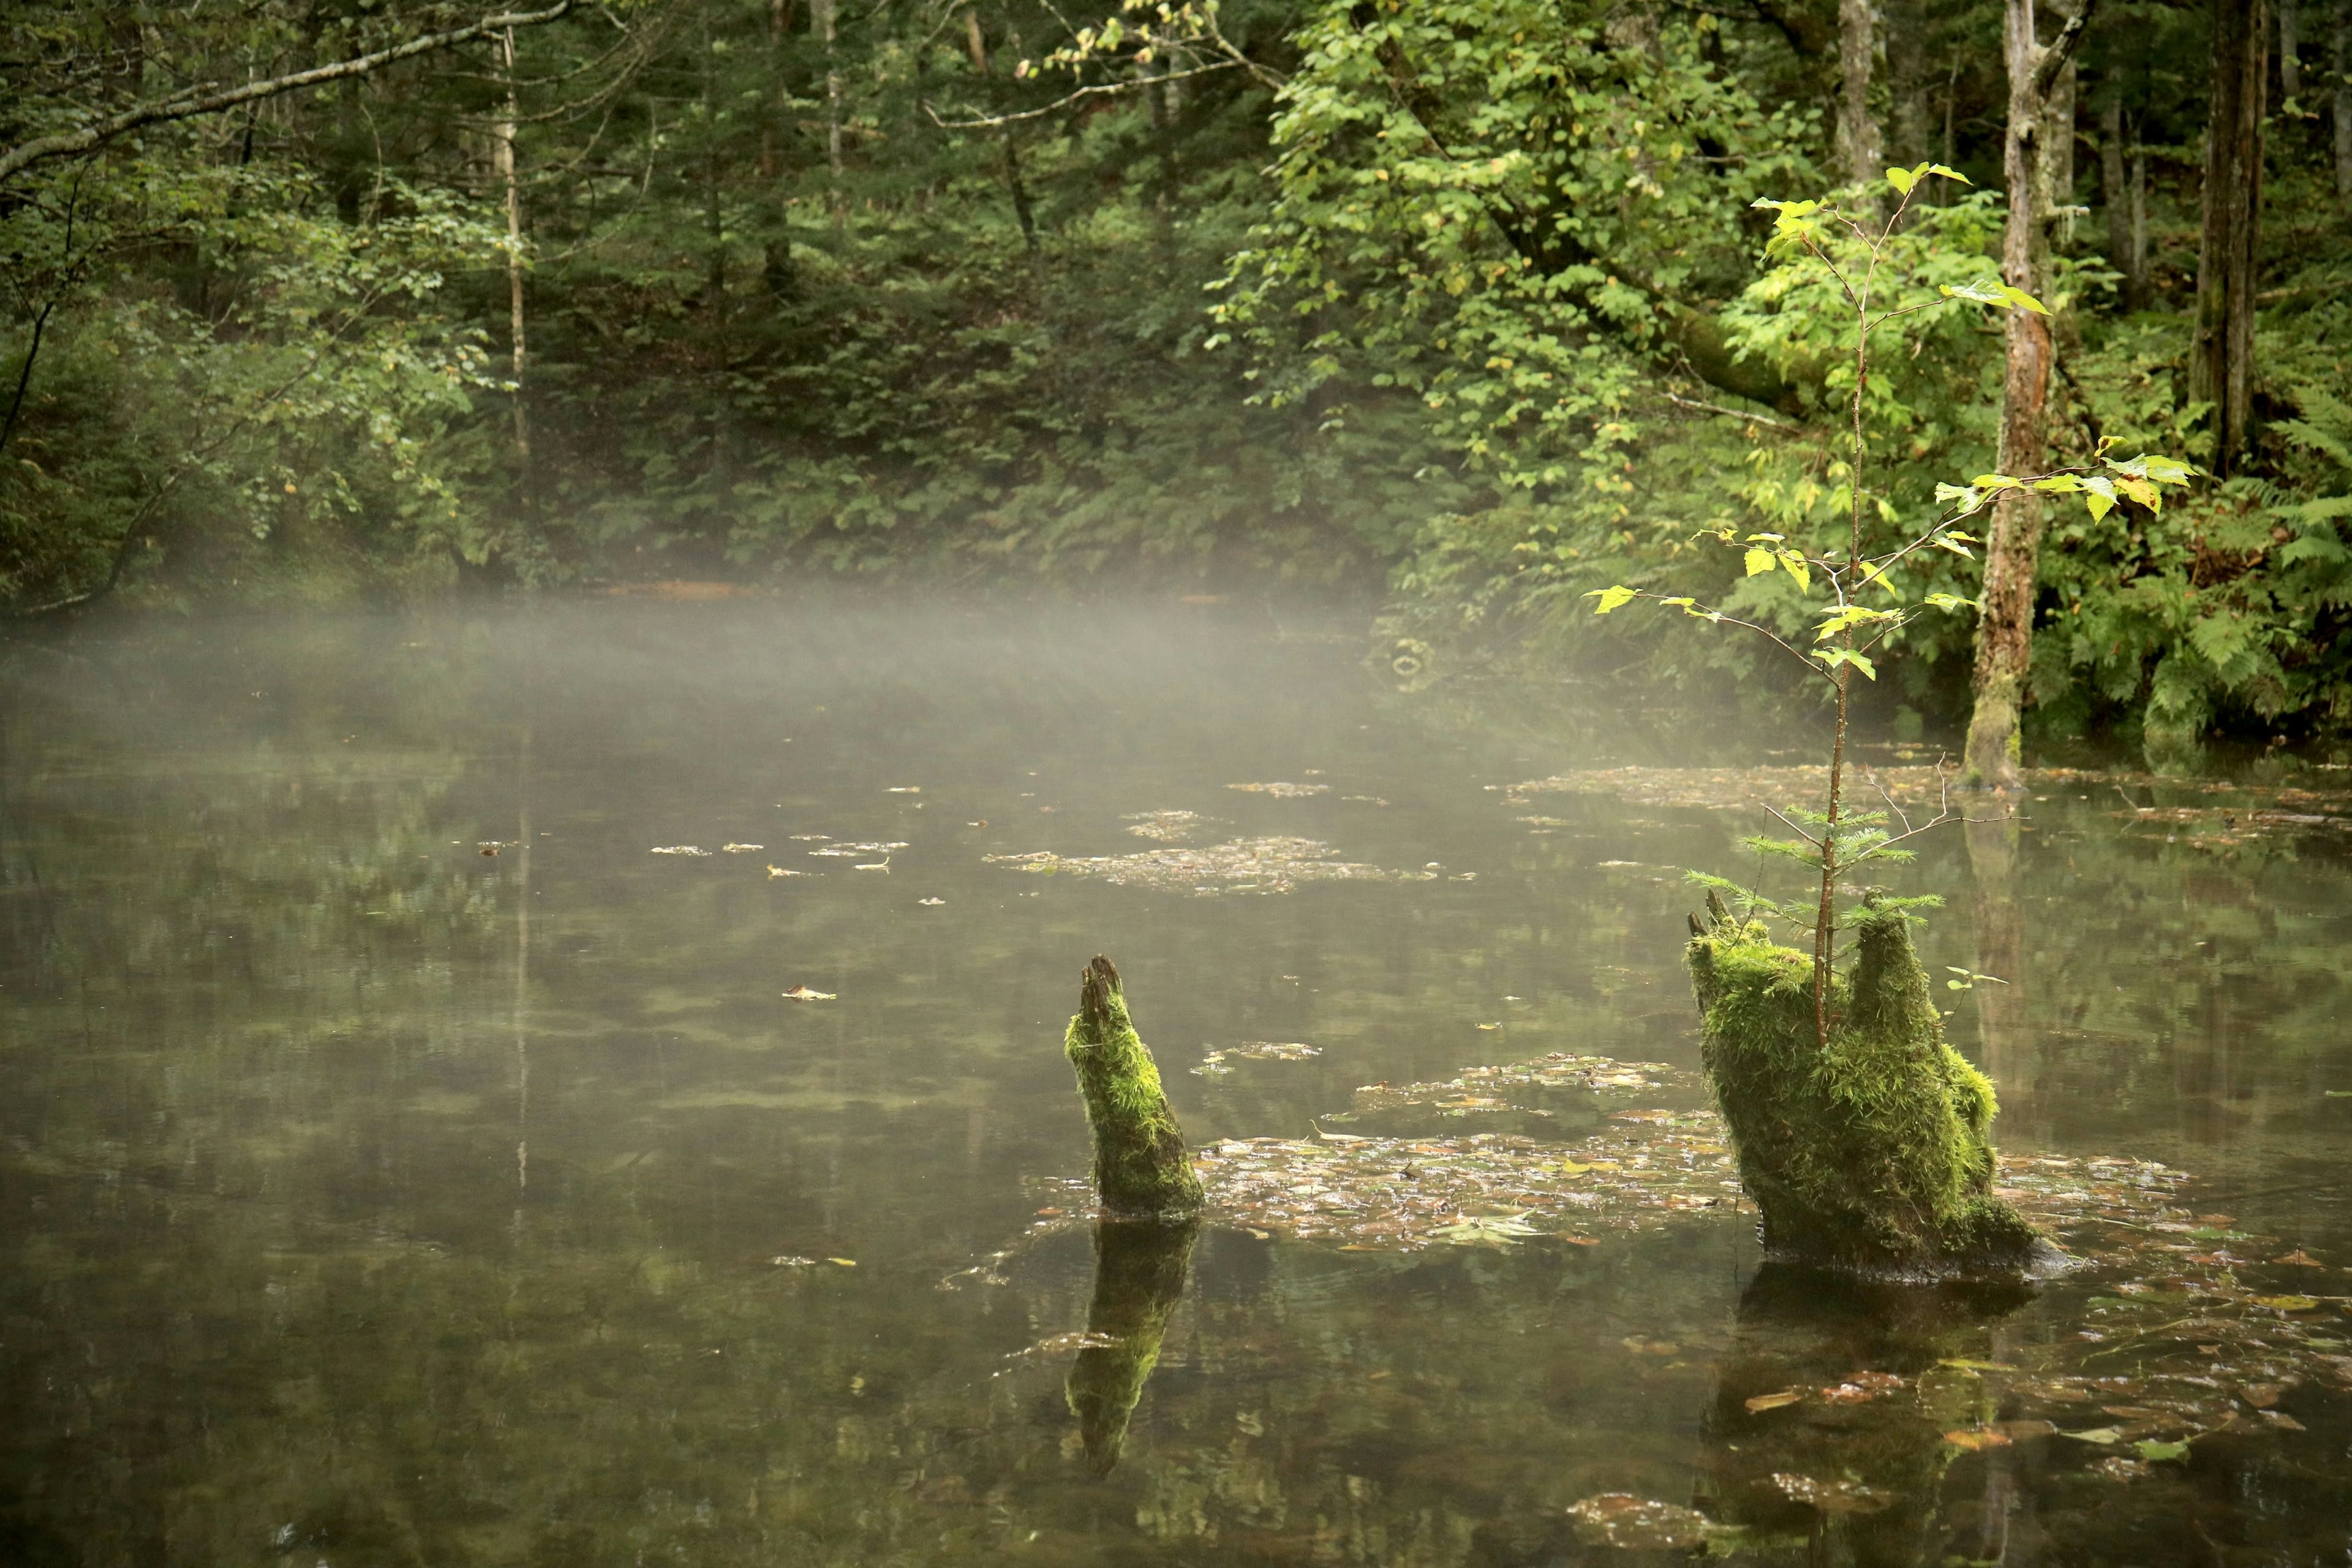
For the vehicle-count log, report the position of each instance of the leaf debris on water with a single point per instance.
(1216, 1064)
(1282, 791)
(1244, 865)
(803, 994)
(1620, 1519)
(693, 850)
(741, 848)
(1167, 826)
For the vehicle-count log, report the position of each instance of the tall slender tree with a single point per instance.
(2004, 645)
(2222, 354)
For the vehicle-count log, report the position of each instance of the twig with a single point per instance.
(1096, 89)
(1694, 405)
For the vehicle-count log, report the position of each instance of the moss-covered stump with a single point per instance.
(1140, 1268)
(1870, 1152)
(1141, 1168)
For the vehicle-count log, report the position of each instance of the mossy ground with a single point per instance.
(1870, 1152)
(1141, 1167)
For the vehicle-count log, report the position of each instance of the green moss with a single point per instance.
(1140, 1268)
(1872, 1151)
(1141, 1164)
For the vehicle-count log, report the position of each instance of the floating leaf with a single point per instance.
(1976, 1440)
(2104, 1437)
(1779, 1401)
(2288, 1303)
(2154, 1452)
(802, 994)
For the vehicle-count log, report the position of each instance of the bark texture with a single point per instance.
(1869, 1153)
(1860, 156)
(2222, 355)
(2012, 554)
(1141, 1168)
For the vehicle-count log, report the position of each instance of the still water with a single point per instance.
(371, 1199)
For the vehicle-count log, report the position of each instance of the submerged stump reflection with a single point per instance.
(1141, 1267)
(1829, 1421)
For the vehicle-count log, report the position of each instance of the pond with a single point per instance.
(585, 1085)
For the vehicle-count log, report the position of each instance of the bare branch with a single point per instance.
(1697, 407)
(2060, 49)
(198, 100)
(1097, 89)
(1794, 828)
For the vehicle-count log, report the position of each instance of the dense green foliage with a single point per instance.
(1466, 297)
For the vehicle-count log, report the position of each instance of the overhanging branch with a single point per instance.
(212, 100)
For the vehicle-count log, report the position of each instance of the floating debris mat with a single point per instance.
(1571, 1146)
(1243, 866)
(1730, 789)
(1401, 1195)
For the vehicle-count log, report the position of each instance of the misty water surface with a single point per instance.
(370, 1199)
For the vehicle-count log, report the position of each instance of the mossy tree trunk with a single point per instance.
(1141, 1167)
(1868, 1150)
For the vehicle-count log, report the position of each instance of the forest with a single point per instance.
(1464, 309)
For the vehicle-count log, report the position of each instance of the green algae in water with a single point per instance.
(1141, 1164)
(1870, 1152)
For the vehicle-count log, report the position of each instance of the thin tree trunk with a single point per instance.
(2005, 627)
(1910, 127)
(825, 18)
(2221, 364)
(1023, 213)
(505, 154)
(2058, 145)
(2289, 43)
(2115, 196)
(1860, 156)
(2339, 57)
(2139, 214)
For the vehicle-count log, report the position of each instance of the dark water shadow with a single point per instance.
(1857, 1468)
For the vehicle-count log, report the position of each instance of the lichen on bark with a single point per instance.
(1141, 1167)
(1869, 1149)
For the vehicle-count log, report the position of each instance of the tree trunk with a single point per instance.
(2115, 196)
(2139, 214)
(505, 134)
(2005, 626)
(2058, 147)
(1911, 111)
(2339, 57)
(1860, 156)
(824, 20)
(2290, 42)
(2222, 355)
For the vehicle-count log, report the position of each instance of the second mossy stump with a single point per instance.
(1142, 1168)
(1870, 1152)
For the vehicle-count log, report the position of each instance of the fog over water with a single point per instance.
(371, 1198)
